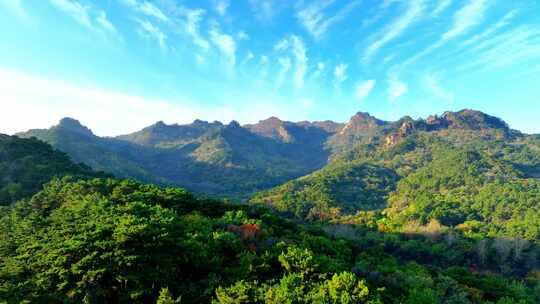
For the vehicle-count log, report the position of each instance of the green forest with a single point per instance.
(443, 210)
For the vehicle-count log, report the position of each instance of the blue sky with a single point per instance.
(119, 65)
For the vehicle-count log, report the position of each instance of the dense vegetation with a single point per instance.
(477, 178)
(109, 241)
(26, 164)
(442, 210)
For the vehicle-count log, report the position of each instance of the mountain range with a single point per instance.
(234, 160)
(437, 210)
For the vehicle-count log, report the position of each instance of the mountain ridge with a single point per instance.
(238, 160)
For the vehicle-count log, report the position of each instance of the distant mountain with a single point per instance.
(465, 169)
(224, 160)
(26, 164)
(237, 161)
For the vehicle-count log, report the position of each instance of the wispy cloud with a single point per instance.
(95, 20)
(467, 17)
(149, 30)
(340, 74)
(301, 59)
(434, 88)
(511, 47)
(242, 35)
(396, 88)
(319, 70)
(16, 7)
(491, 30)
(104, 22)
(441, 7)
(146, 8)
(221, 6)
(192, 19)
(282, 45)
(363, 89)
(298, 50)
(74, 9)
(151, 10)
(413, 13)
(225, 44)
(464, 20)
(285, 65)
(313, 18)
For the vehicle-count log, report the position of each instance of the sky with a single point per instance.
(121, 65)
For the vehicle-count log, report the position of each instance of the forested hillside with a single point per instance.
(26, 164)
(432, 216)
(109, 241)
(211, 158)
(466, 171)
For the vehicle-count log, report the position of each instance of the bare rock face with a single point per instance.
(274, 128)
(392, 139)
(406, 128)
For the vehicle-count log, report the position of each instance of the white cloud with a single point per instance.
(193, 18)
(148, 30)
(95, 20)
(105, 23)
(522, 43)
(74, 9)
(285, 64)
(146, 8)
(319, 70)
(242, 35)
(433, 86)
(151, 10)
(298, 51)
(30, 101)
(282, 45)
(396, 89)
(491, 30)
(301, 59)
(467, 17)
(225, 44)
(249, 56)
(34, 102)
(16, 7)
(313, 18)
(363, 89)
(221, 6)
(414, 11)
(340, 74)
(441, 6)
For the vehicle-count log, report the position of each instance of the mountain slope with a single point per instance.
(222, 160)
(465, 170)
(26, 164)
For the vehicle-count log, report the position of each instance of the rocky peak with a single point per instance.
(234, 125)
(474, 120)
(361, 122)
(74, 125)
(272, 127)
